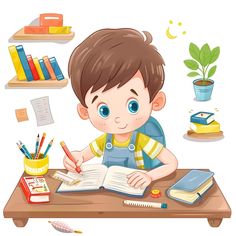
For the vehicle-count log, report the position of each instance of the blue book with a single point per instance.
(44, 69)
(24, 62)
(202, 117)
(192, 186)
(56, 68)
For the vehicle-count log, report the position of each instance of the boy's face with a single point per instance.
(119, 110)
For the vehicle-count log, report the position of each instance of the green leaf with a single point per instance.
(214, 54)
(191, 64)
(212, 71)
(194, 51)
(193, 74)
(205, 55)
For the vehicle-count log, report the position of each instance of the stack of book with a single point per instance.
(31, 69)
(49, 23)
(204, 125)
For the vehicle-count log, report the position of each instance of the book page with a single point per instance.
(116, 180)
(92, 178)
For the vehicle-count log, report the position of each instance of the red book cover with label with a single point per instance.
(32, 67)
(35, 189)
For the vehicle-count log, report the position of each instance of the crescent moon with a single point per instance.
(169, 35)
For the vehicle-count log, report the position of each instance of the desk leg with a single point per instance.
(20, 222)
(215, 222)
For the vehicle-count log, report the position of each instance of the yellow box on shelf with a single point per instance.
(17, 63)
(60, 30)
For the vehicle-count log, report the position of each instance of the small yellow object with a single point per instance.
(184, 32)
(180, 24)
(155, 191)
(60, 30)
(171, 21)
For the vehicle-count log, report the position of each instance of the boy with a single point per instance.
(117, 76)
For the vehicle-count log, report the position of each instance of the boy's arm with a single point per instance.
(170, 163)
(80, 157)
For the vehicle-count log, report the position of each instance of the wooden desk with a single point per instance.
(104, 204)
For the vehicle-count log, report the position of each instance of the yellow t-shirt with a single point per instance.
(143, 143)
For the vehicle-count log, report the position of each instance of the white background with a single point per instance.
(204, 21)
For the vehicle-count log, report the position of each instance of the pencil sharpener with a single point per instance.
(36, 166)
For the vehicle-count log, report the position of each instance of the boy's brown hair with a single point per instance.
(111, 57)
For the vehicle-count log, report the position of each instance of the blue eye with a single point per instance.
(133, 106)
(103, 110)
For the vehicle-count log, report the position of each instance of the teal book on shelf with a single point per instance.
(56, 68)
(24, 62)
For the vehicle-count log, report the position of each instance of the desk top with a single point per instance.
(104, 204)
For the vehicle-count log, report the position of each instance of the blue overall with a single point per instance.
(120, 156)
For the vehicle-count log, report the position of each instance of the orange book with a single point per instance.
(49, 68)
(51, 19)
(36, 30)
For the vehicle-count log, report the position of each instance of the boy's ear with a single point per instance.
(82, 111)
(159, 101)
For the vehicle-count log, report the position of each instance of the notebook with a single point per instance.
(97, 176)
(192, 186)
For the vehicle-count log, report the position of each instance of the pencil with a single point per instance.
(40, 145)
(22, 150)
(48, 147)
(69, 155)
(25, 149)
(36, 146)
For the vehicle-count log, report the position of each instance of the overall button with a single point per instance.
(131, 147)
(108, 146)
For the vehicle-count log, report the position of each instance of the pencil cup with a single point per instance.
(36, 166)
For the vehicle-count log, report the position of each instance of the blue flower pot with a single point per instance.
(203, 92)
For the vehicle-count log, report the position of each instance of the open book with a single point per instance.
(96, 176)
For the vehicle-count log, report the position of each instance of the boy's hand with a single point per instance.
(138, 179)
(70, 165)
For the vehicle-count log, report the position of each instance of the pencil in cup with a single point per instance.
(25, 150)
(69, 155)
(40, 146)
(47, 149)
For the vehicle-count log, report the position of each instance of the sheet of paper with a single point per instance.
(42, 111)
(21, 114)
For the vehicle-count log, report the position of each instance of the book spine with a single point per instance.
(59, 30)
(38, 68)
(17, 63)
(49, 68)
(25, 189)
(36, 30)
(32, 67)
(214, 127)
(198, 120)
(44, 69)
(56, 68)
(24, 62)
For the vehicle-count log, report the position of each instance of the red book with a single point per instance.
(32, 67)
(35, 189)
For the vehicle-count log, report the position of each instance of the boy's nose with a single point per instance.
(117, 119)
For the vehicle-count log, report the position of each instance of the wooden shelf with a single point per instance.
(20, 35)
(205, 137)
(15, 83)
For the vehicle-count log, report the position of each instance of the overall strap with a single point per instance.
(132, 141)
(109, 142)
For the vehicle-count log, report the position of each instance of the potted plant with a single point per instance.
(201, 66)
